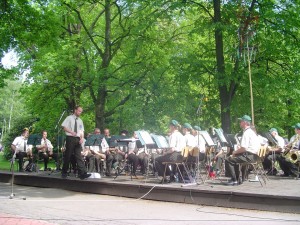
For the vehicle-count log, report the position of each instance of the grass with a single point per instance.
(5, 164)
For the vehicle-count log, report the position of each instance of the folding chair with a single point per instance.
(258, 169)
(182, 164)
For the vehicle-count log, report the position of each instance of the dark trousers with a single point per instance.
(111, 159)
(20, 156)
(73, 147)
(133, 160)
(287, 167)
(267, 163)
(45, 156)
(91, 161)
(171, 157)
(234, 164)
(143, 161)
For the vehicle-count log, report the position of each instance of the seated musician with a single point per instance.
(99, 151)
(87, 156)
(289, 167)
(45, 150)
(190, 140)
(246, 152)
(22, 149)
(142, 155)
(274, 153)
(200, 143)
(173, 154)
(131, 156)
(114, 155)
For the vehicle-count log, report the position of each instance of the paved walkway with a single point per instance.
(54, 206)
(9, 219)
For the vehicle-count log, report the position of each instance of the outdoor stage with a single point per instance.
(279, 194)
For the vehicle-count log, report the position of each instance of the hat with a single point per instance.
(297, 126)
(245, 118)
(187, 126)
(273, 130)
(197, 128)
(174, 123)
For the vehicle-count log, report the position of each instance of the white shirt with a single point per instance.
(280, 141)
(200, 142)
(103, 149)
(190, 140)
(250, 141)
(295, 143)
(46, 143)
(69, 123)
(177, 141)
(20, 142)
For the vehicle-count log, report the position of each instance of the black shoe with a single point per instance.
(84, 176)
(64, 175)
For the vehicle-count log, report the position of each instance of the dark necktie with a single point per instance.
(75, 126)
(25, 145)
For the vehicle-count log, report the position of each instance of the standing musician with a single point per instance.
(246, 152)
(289, 168)
(274, 153)
(74, 129)
(45, 150)
(22, 149)
(173, 154)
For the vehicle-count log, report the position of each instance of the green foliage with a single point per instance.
(137, 64)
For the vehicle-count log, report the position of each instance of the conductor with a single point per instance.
(74, 129)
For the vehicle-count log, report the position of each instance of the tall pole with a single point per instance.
(250, 83)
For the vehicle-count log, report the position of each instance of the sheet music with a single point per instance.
(207, 138)
(220, 134)
(144, 137)
(160, 140)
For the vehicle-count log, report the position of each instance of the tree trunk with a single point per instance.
(223, 90)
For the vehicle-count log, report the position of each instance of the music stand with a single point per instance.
(123, 141)
(273, 142)
(34, 140)
(146, 141)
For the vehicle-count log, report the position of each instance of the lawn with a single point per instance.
(5, 164)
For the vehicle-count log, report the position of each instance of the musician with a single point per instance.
(200, 143)
(89, 158)
(288, 167)
(99, 151)
(274, 153)
(173, 154)
(22, 149)
(45, 150)
(132, 157)
(74, 129)
(114, 155)
(246, 152)
(190, 140)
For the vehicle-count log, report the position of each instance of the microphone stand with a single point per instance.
(12, 163)
(58, 144)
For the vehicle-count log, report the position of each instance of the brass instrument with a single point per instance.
(295, 157)
(289, 147)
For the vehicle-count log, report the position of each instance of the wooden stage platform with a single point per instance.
(281, 194)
